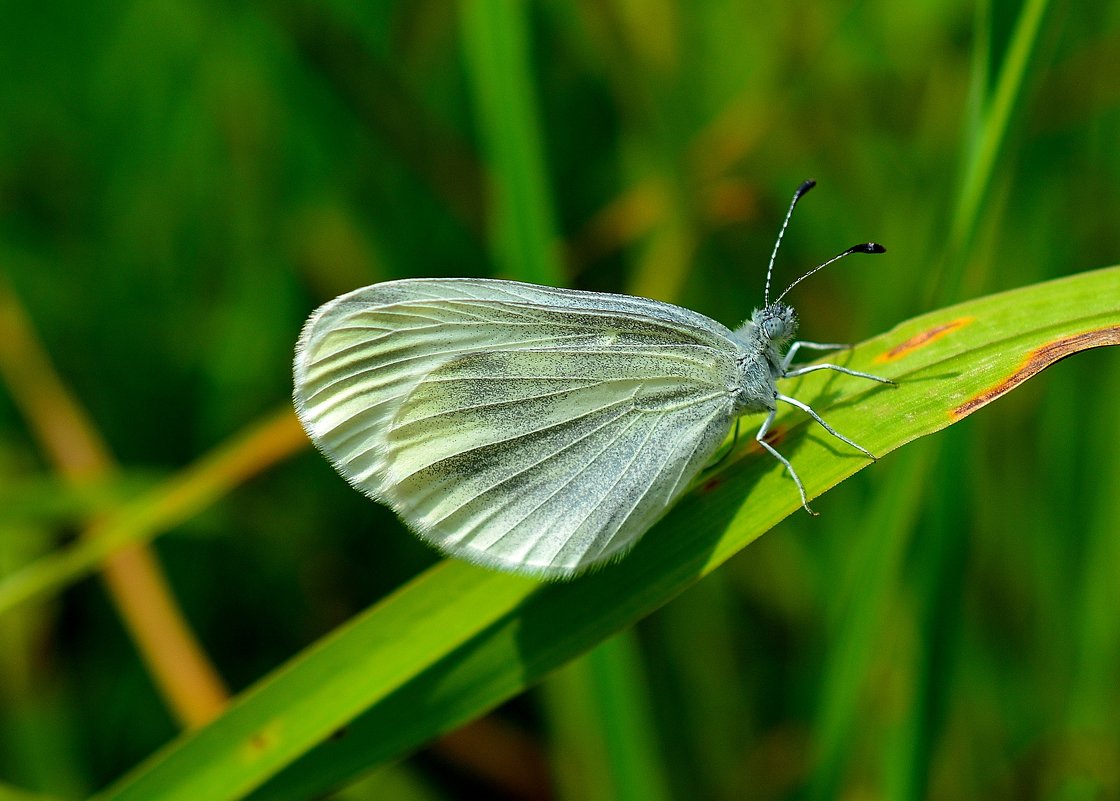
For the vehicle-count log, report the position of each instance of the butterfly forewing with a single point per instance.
(517, 426)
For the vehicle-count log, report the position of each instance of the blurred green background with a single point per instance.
(182, 183)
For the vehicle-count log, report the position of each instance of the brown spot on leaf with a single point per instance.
(710, 484)
(1037, 361)
(262, 741)
(922, 338)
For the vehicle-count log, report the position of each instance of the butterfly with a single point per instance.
(533, 429)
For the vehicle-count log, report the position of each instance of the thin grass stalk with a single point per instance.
(188, 682)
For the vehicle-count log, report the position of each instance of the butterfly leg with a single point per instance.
(805, 408)
(811, 367)
(760, 438)
(787, 360)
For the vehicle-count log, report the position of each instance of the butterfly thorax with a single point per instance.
(761, 340)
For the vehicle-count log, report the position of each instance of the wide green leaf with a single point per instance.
(458, 639)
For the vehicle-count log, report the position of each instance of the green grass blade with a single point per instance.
(458, 640)
(604, 746)
(523, 236)
(8, 793)
(497, 57)
(987, 143)
(1097, 643)
(906, 762)
(854, 644)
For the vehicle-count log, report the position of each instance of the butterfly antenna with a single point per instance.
(866, 247)
(801, 190)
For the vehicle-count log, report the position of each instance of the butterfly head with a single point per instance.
(777, 322)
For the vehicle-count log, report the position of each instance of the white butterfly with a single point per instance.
(533, 429)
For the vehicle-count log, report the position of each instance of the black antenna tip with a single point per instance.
(801, 190)
(868, 247)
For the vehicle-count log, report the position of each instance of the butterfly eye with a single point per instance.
(778, 323)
